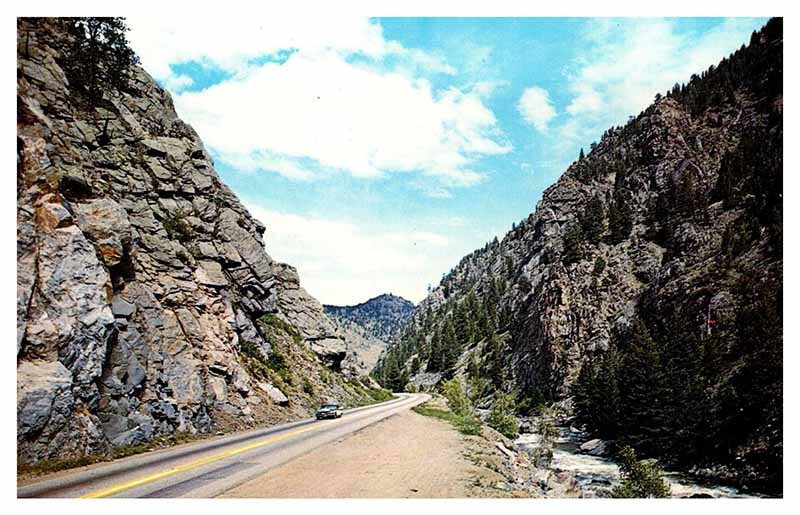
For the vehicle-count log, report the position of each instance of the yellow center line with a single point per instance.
(198, 463)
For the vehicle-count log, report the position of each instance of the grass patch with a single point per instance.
(261, 366)
(466, 424)
(368, 396)
(272, 320)
(44, 467)
(380, 395)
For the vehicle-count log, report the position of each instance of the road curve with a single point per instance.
(209, 468)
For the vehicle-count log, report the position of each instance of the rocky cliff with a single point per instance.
(674, 221)
(147, 304)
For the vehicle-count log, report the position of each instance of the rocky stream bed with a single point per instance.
(580, 468)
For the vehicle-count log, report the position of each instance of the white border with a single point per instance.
(382, 8)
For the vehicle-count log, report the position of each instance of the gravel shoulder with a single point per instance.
(406, 455)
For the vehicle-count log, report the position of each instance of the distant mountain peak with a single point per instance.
(383, 316)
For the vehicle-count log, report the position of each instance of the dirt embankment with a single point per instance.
(406, 455)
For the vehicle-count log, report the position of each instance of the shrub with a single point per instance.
(380, 394)
(457, 399)
(308, 386)
(501, 417)
(177, 227)
(531, 401)
(263, 366)
(548, 430)
(640, 479)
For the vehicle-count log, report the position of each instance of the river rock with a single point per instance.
(595, 447)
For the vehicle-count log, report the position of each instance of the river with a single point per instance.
(596, 476)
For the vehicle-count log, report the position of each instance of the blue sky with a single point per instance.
(379, 151)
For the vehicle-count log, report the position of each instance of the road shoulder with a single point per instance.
(405, 455)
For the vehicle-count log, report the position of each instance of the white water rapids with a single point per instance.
(597, 476)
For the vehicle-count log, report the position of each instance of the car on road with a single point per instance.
(329, 410)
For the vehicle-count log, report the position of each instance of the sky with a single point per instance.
(378, 152)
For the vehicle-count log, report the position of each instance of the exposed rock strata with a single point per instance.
(139, 274)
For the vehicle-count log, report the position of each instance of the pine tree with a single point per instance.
(593, 220)
(573, 244)
(451, 350)
(463, 324)
(620, 220)
(642, 383)
(99, 58)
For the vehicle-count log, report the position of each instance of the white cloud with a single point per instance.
(318, 109)
(178, 82)
(536, 107)
(633, 59)
(344, 116)
(343, 263)
(626, 63)
(229, 43)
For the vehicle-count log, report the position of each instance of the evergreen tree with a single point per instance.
(593, 220)
(451, 350)
(462, 325)
(597, 396)
(99, 58)
(620, 219)
(640, 479)
(573, 244)
(643, 417)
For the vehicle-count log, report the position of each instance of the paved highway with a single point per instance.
(209, 468)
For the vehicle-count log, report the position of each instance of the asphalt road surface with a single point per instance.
(209, 468)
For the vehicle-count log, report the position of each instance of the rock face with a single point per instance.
(140, 275)
(674, 219)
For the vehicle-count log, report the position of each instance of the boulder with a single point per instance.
(44, 396)
(274, 393)
(595, 447)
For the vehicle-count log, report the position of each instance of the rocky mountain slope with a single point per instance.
(370, 327)
(663, 244)
(384, 316)
(147, 304)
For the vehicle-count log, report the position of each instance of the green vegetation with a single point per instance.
(436, 343)
(369, 396)
(573, 244)
(685, 396)
(640, 479)
(380, 394)
(272, 320)
(501, 417)
(177, 227)
(456, 397)
(593, 220)
(98, 59)
(308, 387)
(273, 367)
(620, 218)
(547, 427)
(466, 424)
